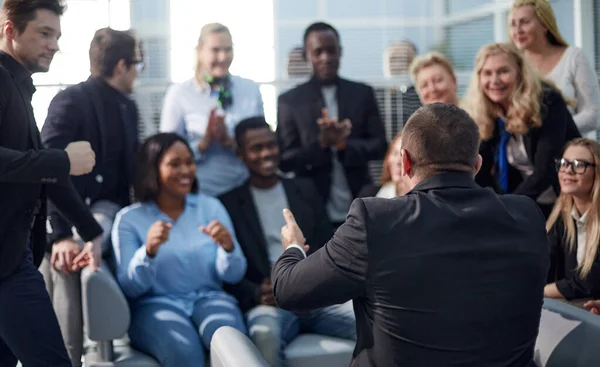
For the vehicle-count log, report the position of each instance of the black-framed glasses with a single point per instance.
(579, 167)
(139, 65)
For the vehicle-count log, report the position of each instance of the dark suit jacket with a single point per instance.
(28, 174)
(297, 132)
(563, 267)
(310, 214)
(77, 113)
(543, 145)
(450, 274)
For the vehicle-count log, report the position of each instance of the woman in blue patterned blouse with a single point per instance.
(174, 249)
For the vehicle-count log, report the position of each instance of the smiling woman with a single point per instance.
(574, 225)
(519, 143)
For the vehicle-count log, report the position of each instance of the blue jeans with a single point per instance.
(272, 329)
(29, 330)
(176, 340)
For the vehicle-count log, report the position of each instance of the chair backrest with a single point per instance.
(105, 308)
(568, 336)
(230, 348)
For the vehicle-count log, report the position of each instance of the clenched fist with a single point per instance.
(81, 157)
(219, 233)
(157, 235)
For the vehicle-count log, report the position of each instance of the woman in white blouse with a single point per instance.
(533, 29)
(574, 225)
(206, 108)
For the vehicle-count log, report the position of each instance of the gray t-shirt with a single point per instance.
(340, 196)
(270, 204)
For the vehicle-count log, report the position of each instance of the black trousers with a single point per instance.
(29, 330)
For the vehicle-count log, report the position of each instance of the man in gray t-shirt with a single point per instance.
(256, 209)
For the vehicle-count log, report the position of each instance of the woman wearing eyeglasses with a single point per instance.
(574, 225)
(206, 109)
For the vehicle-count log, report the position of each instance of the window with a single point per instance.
(71, 64)
(463, 41)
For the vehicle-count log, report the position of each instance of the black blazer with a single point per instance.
(297, 133)
(369, 191)
(77, 113)
(563, 265)
(28, 173)
(449, 274)
(304, 202)
(543, 145)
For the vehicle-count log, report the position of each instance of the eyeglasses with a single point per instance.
(139, 65)
(578, 167)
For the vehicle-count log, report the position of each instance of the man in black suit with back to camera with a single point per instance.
(29, 331)
(448, 274)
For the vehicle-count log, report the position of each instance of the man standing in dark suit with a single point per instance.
(255, 210)
(29, 331)
(448, 274)
(100, 111)
(329, 128)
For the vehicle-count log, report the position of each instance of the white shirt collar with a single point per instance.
(581, 220)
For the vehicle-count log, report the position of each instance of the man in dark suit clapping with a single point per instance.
(329, 128)
(449, 274)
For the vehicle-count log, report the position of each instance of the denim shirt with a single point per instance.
(186, 110)
(188, 266)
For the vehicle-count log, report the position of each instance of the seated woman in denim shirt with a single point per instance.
(174, 249)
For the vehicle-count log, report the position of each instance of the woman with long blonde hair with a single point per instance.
(206, 109)
(523, 123)
(533, 29)
(574, 224)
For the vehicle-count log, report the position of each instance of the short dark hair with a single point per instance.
(441, 137)
(21, 12)
(243, 126)
(320, 27)
(108, 47)
(146, 183)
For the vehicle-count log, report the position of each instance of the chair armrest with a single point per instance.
(226, 340)
(568, 336)
(105, 308)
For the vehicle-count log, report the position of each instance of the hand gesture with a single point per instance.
(216, 131)
(344, 129)
(593, 306)
(220, 234)
(291, 234)
(327, 129)
(91, 255)
(157, 235)
(81, 156)
(63, 253)
(265, 296)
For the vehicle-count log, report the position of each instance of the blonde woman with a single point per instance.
(206, 108)
(434, 79)
(574, 224)
(533, 29)
(523, 123)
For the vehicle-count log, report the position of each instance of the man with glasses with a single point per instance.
(100, 111)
